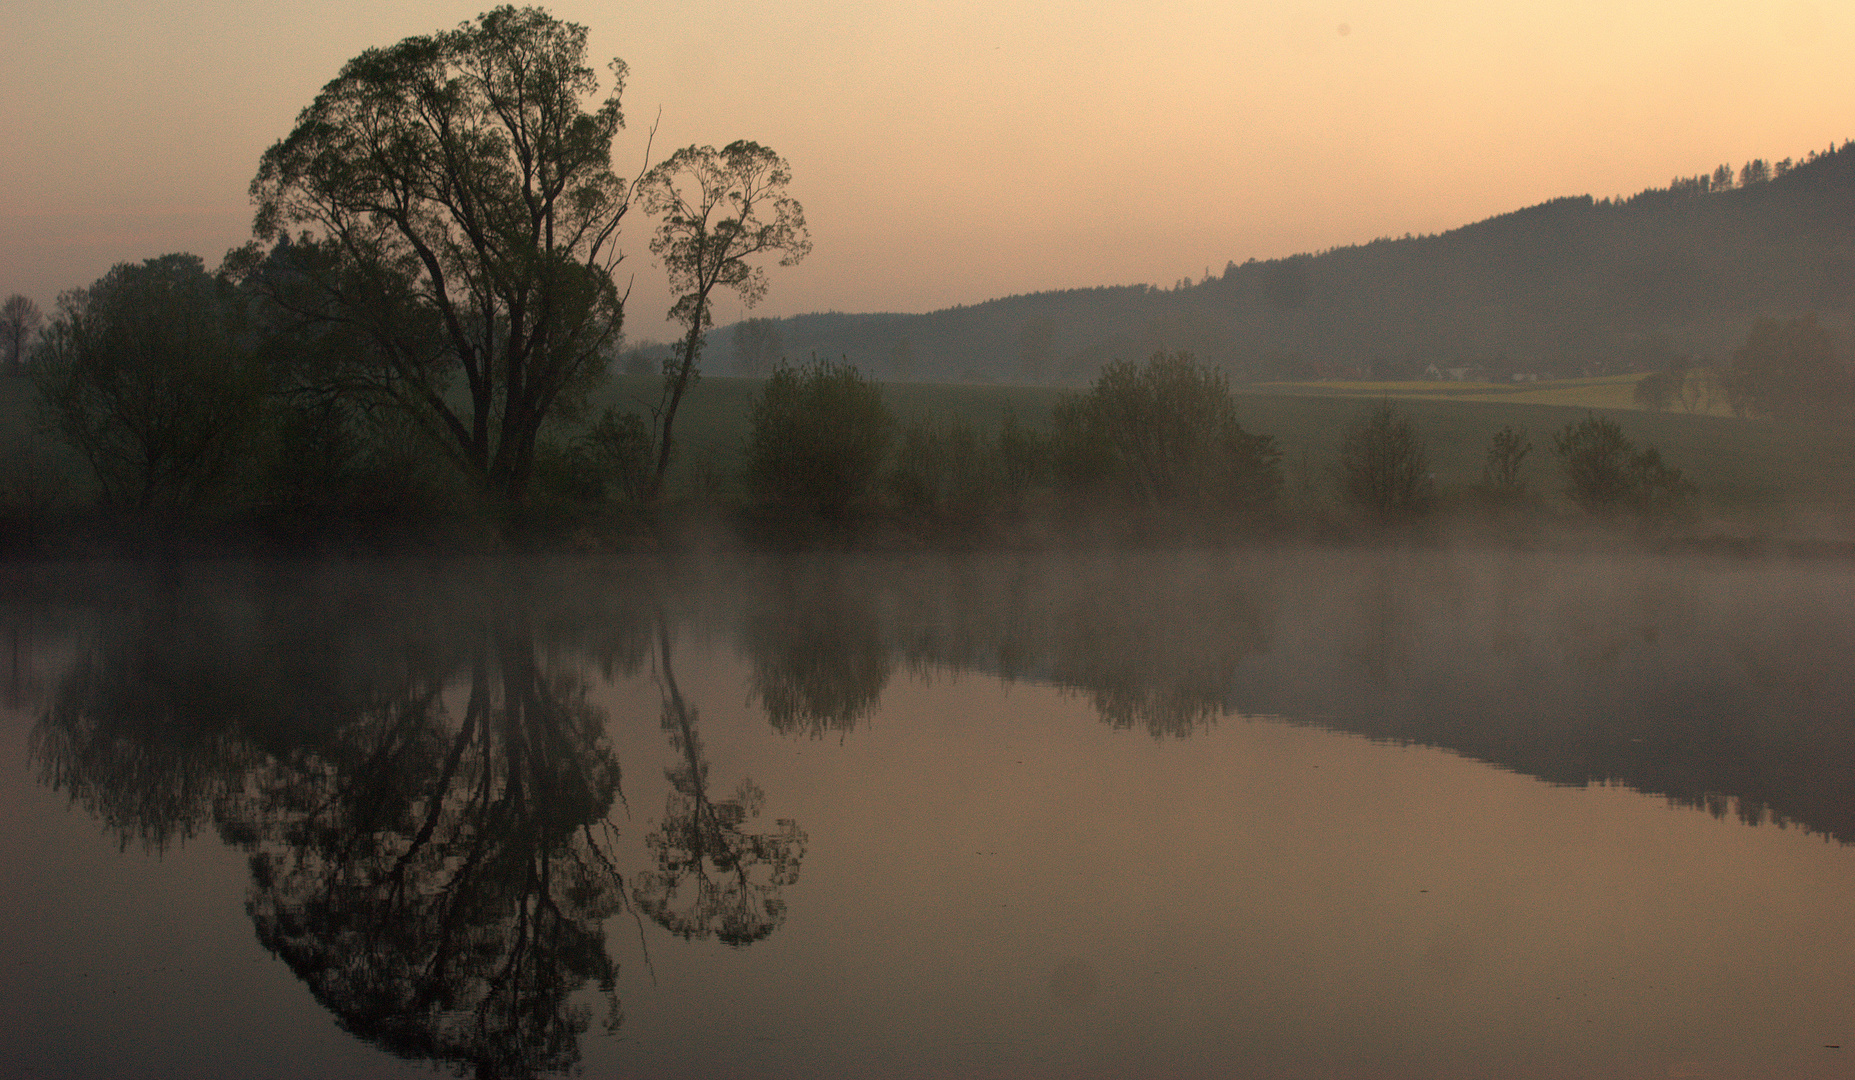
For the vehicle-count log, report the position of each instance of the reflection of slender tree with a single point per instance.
(820, 663)
(712, 877)
(442, 887)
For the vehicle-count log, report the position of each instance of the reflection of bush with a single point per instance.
(1156, 658)
(820, 662)
(151, 767)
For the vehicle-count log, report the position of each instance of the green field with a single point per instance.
(1597, 392)
(1755, 471)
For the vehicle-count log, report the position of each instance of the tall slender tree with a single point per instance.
(718, 210)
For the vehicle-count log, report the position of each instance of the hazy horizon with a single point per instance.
(959, 153)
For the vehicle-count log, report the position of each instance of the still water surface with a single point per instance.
(1161, 815)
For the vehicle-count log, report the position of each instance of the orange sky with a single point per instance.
(952, 152)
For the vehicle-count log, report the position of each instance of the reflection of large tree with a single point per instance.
(712, 876)
(441, 881)
(426, 814)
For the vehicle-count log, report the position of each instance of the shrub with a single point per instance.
(818, 437)
(1383, 464)
(1163, 434)
(616, 453)
(1604, 471)
(1659, 389)
(946, 469)
(942, 468)
(1506, 451)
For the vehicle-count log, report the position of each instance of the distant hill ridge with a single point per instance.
(1574, 285)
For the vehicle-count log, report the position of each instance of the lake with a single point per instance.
(1308, 813)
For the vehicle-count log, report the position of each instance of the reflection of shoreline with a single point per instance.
(1721, 686)
(1718, 684)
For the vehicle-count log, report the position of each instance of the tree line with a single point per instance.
(1569, 287)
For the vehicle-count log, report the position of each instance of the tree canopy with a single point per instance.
(1790, 369)
(718, 209)
(449, 206)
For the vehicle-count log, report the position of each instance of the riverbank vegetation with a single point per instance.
(1160, 451)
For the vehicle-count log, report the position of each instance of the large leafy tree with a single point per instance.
(446, 209)
(717, 211)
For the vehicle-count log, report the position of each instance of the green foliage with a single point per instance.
(1605, 472)
(144, 374)
(1163, 434)
(449, 205)
(1384, 466)
(819, 435)
(1506, 451)
(1790, 369)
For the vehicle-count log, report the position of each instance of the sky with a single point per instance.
(953, 152)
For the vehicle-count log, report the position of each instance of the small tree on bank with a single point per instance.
(19, 321)
(818, 438)
(1384, 467)
(1790, 370)
(1506, 451)
(1604, 471)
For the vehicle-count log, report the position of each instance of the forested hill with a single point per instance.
(1575, 285)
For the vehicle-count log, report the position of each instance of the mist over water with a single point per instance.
(1178, 813)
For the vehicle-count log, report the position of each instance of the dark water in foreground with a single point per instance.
(1164, 815)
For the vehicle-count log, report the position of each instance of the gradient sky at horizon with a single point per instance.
(954, 152)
